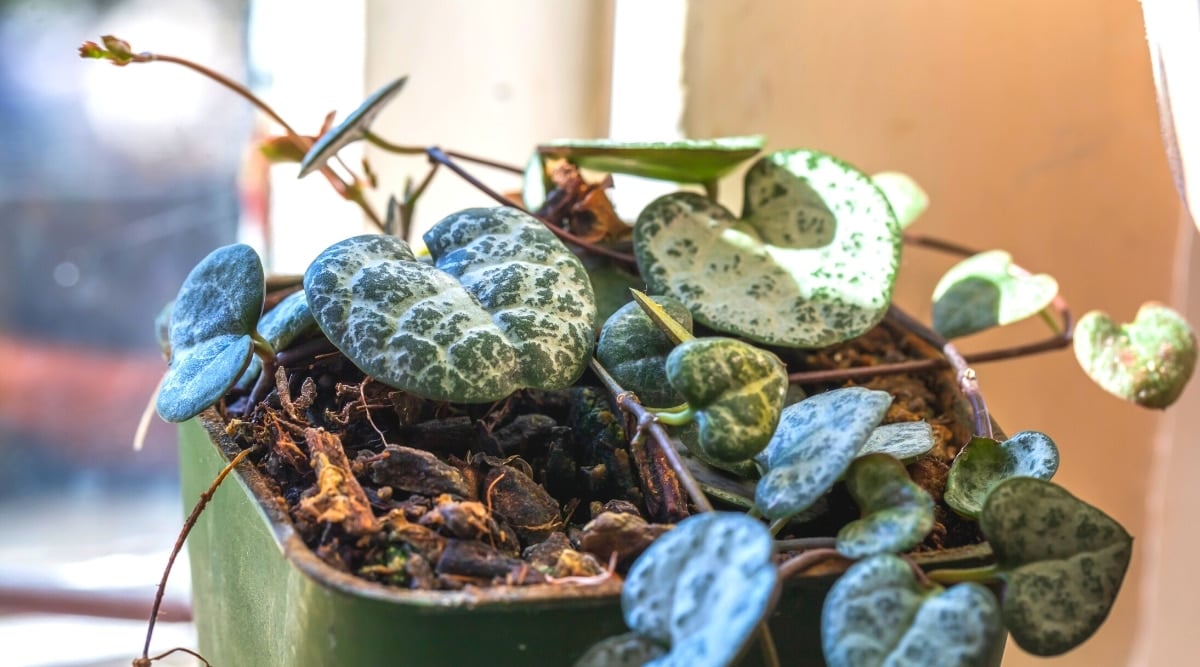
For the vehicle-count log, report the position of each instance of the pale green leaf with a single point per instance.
(811, 262)
(984, 463)
(984, 291)
(683, 161)
(906, 197)
(897, 513)
(350, 130)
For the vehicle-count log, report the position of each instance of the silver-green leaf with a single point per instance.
(1148, 361)
(1061, 559)
(506, 306)
(210, 330)
(703, 588)
(903, 440)
(984, 463)
(984, 291)
(627, 650)
(813, 445)
(878, 614)
(281, 326)
(634, 350)
(350, 130)
(897, 513)
(811, 261)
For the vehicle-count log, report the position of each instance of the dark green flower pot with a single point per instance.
(262, 598)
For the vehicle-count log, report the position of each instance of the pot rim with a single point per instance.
(531, 596)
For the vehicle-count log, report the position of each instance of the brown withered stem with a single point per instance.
(190, 523)
(627, 402)
(438, 155)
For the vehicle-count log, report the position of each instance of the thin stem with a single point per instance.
(143, 426)
(183, 534)
(801, 562)
(646, 422)
(674, 417)
(145, 662)
(410, 201)
(778, 525)
(968, 384)
(400, 149)
(348, 191)
(438, 155)
(767, 644)
(805, 543)
(984, 575)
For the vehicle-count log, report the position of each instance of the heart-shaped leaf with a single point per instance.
(506, 307)
(735, 390)
(627, 650)
(810, 263)
(878, 614)
(897, 513)
(634, 350)
(907, 198)
(1148, 362)
(683, 161)
(280, 326)
(984, 463)
(212, 322)
(813, 445)
(350, 130)
(1062, 562)
(902, 440)
(984, 291)
(703, 588)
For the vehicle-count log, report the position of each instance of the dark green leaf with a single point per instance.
(810, 263)
(897, 513)
(634, 350)
(984, 291)
(352, 129)
(1148, 361)
(703, 588)
(1062, 561)
(736, 391)
(683, 161)
(878, 614)
(984, 463)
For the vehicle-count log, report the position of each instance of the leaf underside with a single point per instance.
(683, 161)
(350, 130)
(811, 262)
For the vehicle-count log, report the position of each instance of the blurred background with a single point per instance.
(1032, 125)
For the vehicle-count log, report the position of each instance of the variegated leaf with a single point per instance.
(984, 463)
(634, 350)
(897, 513)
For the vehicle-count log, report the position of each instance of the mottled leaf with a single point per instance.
(810, 263)
(984, 463)
(281, 326)
(1148, 361)
(352, 129)
(735, 390)
(984, 291)
(634, 350)
(683, 161)
(627, 650)
(897, 513)
(813, 445)
(212, 321)
(1062, 562)
(903, 440)
(703, 588)
(906, 197)
(878, 614)
(505, 307)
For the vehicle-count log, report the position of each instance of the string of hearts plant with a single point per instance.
(506, 300)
